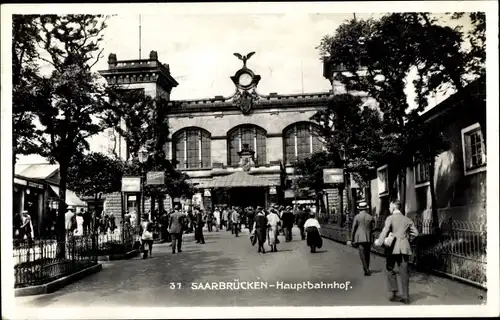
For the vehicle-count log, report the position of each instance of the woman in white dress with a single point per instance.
(273, 220)
(79, 225)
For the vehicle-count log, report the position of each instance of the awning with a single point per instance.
(71, 197)
(237, 179)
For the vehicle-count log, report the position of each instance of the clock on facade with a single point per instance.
(245, 79)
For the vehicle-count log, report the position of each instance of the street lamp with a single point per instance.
(342, 155)
(143, 156)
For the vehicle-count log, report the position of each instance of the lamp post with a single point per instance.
(143, 156)
(342, 187)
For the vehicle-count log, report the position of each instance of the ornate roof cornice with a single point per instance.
(273, 100)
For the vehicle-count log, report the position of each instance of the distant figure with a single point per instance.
(398, 250)
(361, 235)
(301, 218)
(79, 225)
(26, 228)
(273, 221)
(146, 232)
(198, 229)
(287, 220)
(250, 218)
(312, 228)
(176, 223)
(260, 227)
(235, 220)
(217, 217)
(225, 219)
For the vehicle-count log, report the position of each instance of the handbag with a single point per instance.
(147, 235)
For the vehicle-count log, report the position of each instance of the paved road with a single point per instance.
(225, 258)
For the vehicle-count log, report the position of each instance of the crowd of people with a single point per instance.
(264, 225)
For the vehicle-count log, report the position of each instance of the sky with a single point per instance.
(199, 49)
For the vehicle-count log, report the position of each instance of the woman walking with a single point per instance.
(273, 221)
(146, 232)
(260, 228)
(312, 227)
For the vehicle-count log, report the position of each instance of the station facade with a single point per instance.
(237, 150)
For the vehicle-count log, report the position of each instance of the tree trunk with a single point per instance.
(60, 224)
(435, 218)
(402, 190)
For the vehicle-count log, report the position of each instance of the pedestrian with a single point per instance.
(301, 218)
(217, 219)
(177, 224)
(250, 218)
(225, 218)
(273, 221)
(26, 228)
(396, 235)
(235, 220)
(165, 235)
(287, 219)
(312, 228)
(260, 228)
(210, 221)
(17, 223)
(146, 232)
(361, 235)
(199, 223)
(79, 224)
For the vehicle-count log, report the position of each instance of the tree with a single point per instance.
(142, 121)
(387, 51)
(350, 127)
(310, 174)
(25, 37)
(72, 103)
(95, 173)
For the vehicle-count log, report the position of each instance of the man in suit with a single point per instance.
(287, 219)
(399, 252)
(301, 218)
(176, 228)
(235, 219)
(361, 235)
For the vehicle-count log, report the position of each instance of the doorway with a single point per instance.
(247, 197)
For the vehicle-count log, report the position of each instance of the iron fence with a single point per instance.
(456, 248)
(43, 260)
(117, 241)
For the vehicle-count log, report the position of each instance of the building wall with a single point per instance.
(219, 124)
(458, 196)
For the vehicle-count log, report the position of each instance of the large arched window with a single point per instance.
(252, 135)
(192, 148)
(301, 141)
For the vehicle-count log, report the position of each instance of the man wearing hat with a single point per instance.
(361, 235)
(287, 220)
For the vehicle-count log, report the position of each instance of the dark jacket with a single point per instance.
(287, 218)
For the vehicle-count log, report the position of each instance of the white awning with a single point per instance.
(71, 197)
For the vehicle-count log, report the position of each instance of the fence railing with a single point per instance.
(43, 260)
(120, 240)
(458, 249)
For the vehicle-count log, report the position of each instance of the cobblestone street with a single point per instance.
(225, 258)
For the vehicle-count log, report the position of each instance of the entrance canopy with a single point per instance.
(237, 180)
(71, 197)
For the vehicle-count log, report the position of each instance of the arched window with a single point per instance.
(300, 141)
(252, 135)
(192, 148)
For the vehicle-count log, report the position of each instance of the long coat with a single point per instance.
(175, 222)
(403, 229)
(362, 228)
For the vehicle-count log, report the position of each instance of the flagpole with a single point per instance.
(140, 44)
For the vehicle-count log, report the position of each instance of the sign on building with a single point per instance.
(131, 184)
(155, 178)
(333, 176)
(207, 193)
(272, 190)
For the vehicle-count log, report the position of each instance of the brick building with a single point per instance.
(237, 150)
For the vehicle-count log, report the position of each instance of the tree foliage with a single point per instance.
(379, 56)
(142, 121)
(25, 36)
(95, 173)
(310, 172)
(70, 104)
(353, 128)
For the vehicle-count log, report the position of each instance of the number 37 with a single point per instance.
(175, 285)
